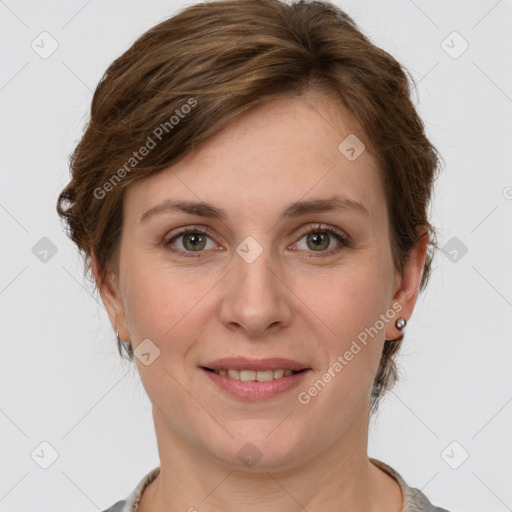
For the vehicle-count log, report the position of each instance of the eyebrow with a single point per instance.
(295, 209)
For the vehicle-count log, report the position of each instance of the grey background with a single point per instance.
(61, 379)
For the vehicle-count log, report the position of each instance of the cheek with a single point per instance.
(161, 304)
(163, 307)
(349, 302)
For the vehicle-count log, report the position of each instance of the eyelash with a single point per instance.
(318, 228)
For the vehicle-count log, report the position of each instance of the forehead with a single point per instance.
(280, 151)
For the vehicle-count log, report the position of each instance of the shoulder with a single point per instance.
(116, 507)
(414, 499)
(132, 501)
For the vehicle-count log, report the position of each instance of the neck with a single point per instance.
(342, 475)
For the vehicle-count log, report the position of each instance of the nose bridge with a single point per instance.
(253, 269)
(255, 297)
(253, 278)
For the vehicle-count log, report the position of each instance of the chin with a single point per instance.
(258, 446)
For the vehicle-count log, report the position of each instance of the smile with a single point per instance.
(254, 385)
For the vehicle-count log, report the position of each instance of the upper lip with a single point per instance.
(242, 363)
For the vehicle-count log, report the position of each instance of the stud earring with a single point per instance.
(400, 323)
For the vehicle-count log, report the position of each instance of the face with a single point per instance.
(290, 259)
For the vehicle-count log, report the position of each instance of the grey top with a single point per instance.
(414, 500)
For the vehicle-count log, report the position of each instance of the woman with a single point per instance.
(251, 197)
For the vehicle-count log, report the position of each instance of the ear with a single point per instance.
(406, 285)
(111, 299)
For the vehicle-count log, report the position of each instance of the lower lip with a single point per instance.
(254, 390)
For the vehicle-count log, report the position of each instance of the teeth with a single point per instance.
(247, 375)
(234, 374)
(264, 376)
(252, 375)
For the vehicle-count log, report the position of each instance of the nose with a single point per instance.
(256, 298)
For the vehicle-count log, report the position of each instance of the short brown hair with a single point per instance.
(223, 58)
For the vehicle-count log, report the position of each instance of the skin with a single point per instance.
(293, 301)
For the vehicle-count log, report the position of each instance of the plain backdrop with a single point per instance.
(445, 426)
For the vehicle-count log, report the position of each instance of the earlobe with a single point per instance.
(407, 287)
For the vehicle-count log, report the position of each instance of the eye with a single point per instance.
(321, 238)
(192, 240)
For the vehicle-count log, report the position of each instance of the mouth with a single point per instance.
(251, 379)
